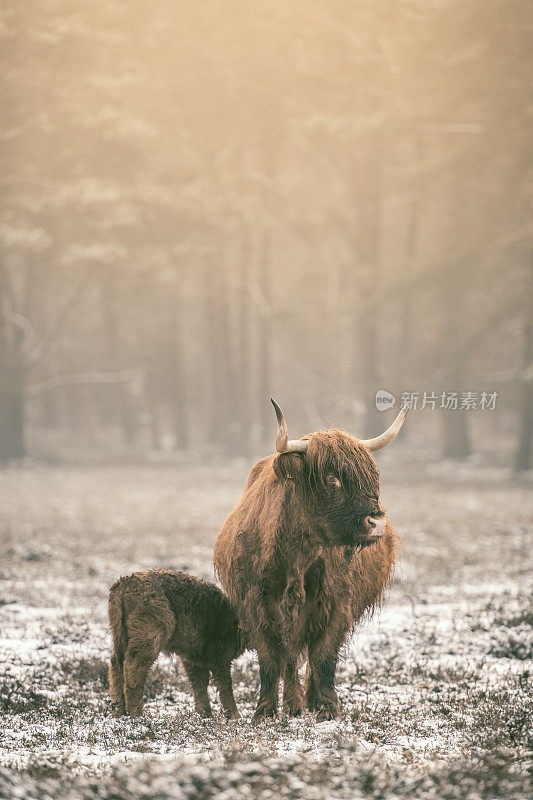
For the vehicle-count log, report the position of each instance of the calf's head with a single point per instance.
(337, 481)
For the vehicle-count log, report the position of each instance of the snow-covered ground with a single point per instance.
(436, 688)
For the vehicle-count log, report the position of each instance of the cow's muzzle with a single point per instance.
(375, 527)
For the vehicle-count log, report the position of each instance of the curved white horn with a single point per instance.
(390, 434)
(283, 445)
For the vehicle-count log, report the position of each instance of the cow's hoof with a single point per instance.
(310, 702)
(118, 711)
(328, 712)
(232, 714)
(293, 709)
(264, 712)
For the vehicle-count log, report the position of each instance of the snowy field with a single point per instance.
(436, 689)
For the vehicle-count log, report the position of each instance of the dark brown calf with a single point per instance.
(166, 611)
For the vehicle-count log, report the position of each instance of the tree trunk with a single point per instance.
(456, 433)
(12, 378)
(366, 351)
(178, 381)
(12, 398)
(117, 404)
(405, 339)
(244, 373)
(264, 338)
(523, 459)
(456, 442)
(221, 418)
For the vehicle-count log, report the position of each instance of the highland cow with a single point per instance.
(162, 610)
(304, 554)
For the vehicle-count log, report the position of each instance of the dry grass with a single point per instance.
(436, 690)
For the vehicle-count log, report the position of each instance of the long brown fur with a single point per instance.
(167, 611)
(295, 560)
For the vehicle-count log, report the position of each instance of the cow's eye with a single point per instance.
(333, 480)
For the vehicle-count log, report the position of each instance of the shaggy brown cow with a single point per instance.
(303, 555)
(164, 610)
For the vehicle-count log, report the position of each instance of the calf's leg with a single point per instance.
(149, 628)
(198, 675)
(140, 656)
(222, 680)
(116, 686)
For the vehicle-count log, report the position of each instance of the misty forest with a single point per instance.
(203, 206)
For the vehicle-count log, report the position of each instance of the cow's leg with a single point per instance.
(270, 673)
(310, 688)
(292, 690)
(262, 623)
(198, 676)
(320, 694)
(222, 680)
(326, 702)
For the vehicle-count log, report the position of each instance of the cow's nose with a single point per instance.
(375, 526)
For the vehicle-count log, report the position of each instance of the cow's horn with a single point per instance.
(390, 434)
(283, 445)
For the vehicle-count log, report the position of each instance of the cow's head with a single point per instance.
(337, 479)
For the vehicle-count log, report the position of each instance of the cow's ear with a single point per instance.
(290, 467)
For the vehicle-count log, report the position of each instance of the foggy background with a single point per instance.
(205, 204)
